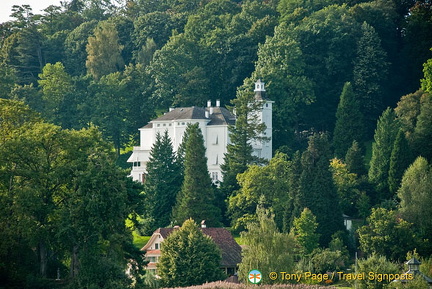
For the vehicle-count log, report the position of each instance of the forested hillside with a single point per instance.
(352, 130)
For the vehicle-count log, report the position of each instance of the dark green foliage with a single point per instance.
(158, 26)
(162, 183)
(423, 129)
(7, 80)
(239, 152)
(197, 198)
(75, 47)
(385, 135)
(354, 159)
(417, 42)
(369, 75)
(349, 122)
(63, 197)
(317, 190)
(189, 258)
(400, 159)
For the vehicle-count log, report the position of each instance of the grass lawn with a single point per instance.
(140, 241)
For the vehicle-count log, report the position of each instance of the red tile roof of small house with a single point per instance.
(231, 251)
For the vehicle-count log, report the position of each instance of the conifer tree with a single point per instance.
(349, 122)
(304, 230)
(400, 159)
(239, 152)
(317, 190)
(370, 71)
(163, 181)
(196, 198)
(354, 159)
(385, 135)
(423, 130)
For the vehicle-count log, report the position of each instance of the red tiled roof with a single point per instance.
(231, 251)
(154, 252)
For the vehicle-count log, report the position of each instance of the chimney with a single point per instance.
(207, 114)
(203, 224)
(217, 103)
(176, 227)
(211, 110)
(209, 103)
(171, 108)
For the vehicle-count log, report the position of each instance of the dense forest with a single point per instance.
(352, 132)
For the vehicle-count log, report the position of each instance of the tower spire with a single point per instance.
(259, 90)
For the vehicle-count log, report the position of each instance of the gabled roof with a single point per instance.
(231, 251)
(220, 115)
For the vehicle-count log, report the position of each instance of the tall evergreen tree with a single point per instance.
(423, 131)
(354, 159)
(349, 122)
(304, 230)
(197, 197)
(239, 152)
(104, 51)
(163, 182)
(385, 135)
(370, 72)
(317, 190)
(400, 160)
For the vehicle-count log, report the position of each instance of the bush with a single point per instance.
(375, 264)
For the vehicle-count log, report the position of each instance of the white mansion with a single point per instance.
(213, 122)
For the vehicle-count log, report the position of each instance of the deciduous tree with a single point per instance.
(104, 51)
(266, 248)
(189, 258)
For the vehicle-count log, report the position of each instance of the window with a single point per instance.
(156, 246)
(137, 164)
(158, 125)
(215, 176)
(164, 124)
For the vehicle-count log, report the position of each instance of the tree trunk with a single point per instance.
(74, 267)
(43, 259)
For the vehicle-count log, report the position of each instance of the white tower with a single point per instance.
(263, 149)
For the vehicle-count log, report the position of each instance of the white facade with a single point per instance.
(213, 122)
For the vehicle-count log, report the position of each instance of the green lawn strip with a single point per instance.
(140, 241)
